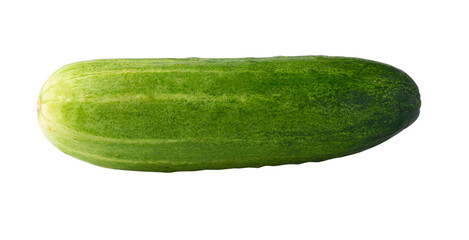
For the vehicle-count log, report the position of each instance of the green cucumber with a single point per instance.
(188, 114)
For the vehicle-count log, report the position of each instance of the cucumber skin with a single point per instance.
(169, 115)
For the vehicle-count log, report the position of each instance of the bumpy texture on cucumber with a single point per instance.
(192, 114)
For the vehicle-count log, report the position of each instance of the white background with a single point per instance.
(414, 186)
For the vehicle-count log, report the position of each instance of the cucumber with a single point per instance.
(169, 115)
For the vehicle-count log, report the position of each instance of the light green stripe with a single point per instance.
(140, 71)
(86, 136)
(103, 158)
(165, 96)
(75, 134)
